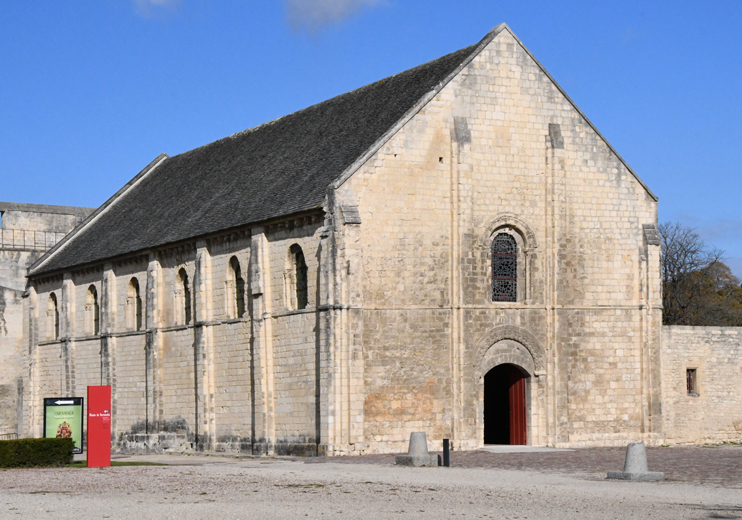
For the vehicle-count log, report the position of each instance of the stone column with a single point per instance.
(557, 366)
(323, 358)
(108, 321)
(264, 430)
(203, 346)
(32, 423)
(653, 319)
(347, 328)
(153, 393)
(108, 309)
(67, 334)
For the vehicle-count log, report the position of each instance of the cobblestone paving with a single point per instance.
(715, 465)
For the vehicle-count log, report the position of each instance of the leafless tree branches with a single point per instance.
(697, 287)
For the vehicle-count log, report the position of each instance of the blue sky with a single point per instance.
(92, 91)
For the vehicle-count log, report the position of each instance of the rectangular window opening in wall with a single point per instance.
(691, 379)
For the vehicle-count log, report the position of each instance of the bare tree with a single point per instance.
(697, 287)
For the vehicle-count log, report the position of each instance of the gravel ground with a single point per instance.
(220, 487)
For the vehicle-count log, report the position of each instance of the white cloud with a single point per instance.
(313, 15)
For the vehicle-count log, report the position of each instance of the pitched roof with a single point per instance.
(279, 168)
(276, 169)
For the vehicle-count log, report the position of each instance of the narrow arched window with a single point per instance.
(134, 306)
(239, 287)
(300, 273)
(186, 296)
(92, 310)
(53, 314)
(504, 268)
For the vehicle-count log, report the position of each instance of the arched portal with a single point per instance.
(505, 405)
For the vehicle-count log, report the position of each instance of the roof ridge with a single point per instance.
(356, 90)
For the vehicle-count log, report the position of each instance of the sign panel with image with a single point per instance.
(63, 419)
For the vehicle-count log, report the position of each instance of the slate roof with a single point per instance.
(279, 168)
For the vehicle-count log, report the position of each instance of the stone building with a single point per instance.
(26, 232)
(454, 249)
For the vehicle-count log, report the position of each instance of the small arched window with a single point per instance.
(504, 268)
(300, 277)
(134, 306)
(53, 316)
(186, 301)
(239, 287)
(92, 310)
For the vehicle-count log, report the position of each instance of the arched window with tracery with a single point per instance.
(237, 291)
(52, 313)
(186, 296)
(504, 268)
(92, 310)
(134, 306)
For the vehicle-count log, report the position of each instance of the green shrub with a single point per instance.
(25, 453)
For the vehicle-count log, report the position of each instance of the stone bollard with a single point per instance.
(635, 467)
(417, 454)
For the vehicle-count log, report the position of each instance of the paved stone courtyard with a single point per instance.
(715, 465)
(704, 483)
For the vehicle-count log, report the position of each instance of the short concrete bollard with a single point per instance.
(417, 454)
(635, 467)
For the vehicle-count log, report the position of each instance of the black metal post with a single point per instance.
(446, 459)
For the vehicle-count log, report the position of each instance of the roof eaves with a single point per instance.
(654, 197)
(36, 267)
(416, 108)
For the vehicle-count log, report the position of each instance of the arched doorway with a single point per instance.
(505, 405)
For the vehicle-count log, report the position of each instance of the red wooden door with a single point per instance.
(517, 398)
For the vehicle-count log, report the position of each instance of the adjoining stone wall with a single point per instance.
(715, 413)
(26, 232)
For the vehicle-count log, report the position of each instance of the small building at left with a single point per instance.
(27, 231)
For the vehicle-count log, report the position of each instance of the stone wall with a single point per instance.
(714, 414)
(203, 378)
(502, 150)
(26, 232)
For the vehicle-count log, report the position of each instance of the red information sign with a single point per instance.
(99, 426)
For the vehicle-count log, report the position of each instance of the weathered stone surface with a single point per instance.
(26, 232)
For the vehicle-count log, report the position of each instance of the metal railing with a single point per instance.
(28, 240)
(8, 436)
